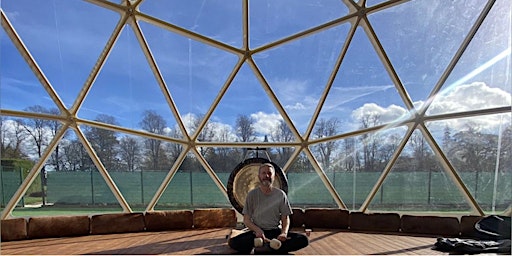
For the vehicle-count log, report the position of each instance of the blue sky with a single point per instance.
(419, 37)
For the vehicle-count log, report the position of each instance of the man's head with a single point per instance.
(266, 174)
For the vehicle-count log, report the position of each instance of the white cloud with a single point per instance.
(467, 97)
(387, 114)
(264, 122)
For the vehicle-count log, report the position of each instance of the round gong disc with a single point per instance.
(244, 178)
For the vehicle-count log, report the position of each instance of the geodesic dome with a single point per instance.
(366, 105)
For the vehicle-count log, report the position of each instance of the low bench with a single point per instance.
(67, 226)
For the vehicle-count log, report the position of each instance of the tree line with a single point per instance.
(469, 150)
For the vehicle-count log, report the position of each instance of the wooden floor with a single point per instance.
(213, 241)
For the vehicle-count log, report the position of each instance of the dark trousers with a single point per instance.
(244, 243)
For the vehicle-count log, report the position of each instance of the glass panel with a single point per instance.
(481, 79)
(421, 48)
(274, 19)
(247, 109)
(362, 89)
(472, 145)
(217, 19)
(20, 86)
(417, 182)
(354, 164)
(305, 188)
(72, 184)
(194, 72)
(127, 90)
(298, 71)
(192, 187)
(62, 38)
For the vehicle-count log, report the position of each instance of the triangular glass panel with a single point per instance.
(354, 164)
(247, 109)
(194, 72)
(362, 94)
(222, 160)
(20, 86)
(73, 184)
(127, 90)
(137, 165)
(418, 182)
(305, 187)
(24, 140)
(481, 78)
(421, 48)
(192, 187)
(217, 19)
(472, 145)
(271, 20)
(63, 39)
(298, 71)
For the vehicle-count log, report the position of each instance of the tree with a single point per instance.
(12, 135)
(104, 142)
(282, 133)
(77, 158)
(129, 152)
(349, 154)
(154, 123)
(245, 128)
(206, 134)
(37, 130)
(326, 128)
(54, 126)
(370, 141)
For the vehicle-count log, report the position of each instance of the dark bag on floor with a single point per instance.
(492, 235)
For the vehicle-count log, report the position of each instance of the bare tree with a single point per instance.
(54, 126)
(129, 151)
(77, 158)
(245, 128)
(104, 142)
(326, 128)
(282, 133)
(349, 154)
(206, 134)
(154, 123)
(12, 136)
(370, 141)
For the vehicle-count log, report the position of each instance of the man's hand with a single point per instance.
(282, 237)
(260, 234)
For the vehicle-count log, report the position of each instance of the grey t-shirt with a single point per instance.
(266, 210)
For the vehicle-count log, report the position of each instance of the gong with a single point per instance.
(244, 178)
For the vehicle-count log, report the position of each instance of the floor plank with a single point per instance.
(213, 241)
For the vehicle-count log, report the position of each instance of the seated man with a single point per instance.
(266, 214)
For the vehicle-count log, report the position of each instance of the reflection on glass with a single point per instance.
(478, 150)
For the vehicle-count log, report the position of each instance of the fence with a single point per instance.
(399, 191)
(10, 180)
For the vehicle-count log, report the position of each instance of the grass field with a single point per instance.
(83, 192)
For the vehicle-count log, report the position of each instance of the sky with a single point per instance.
(419, 37)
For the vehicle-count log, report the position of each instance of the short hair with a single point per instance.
(266, 164)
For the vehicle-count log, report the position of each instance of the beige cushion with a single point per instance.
(387, 222)
(58, 226)
(168, 220)
(13, 229)
(326, 218)
(433, 225)
(214, 218)
(117, 223)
